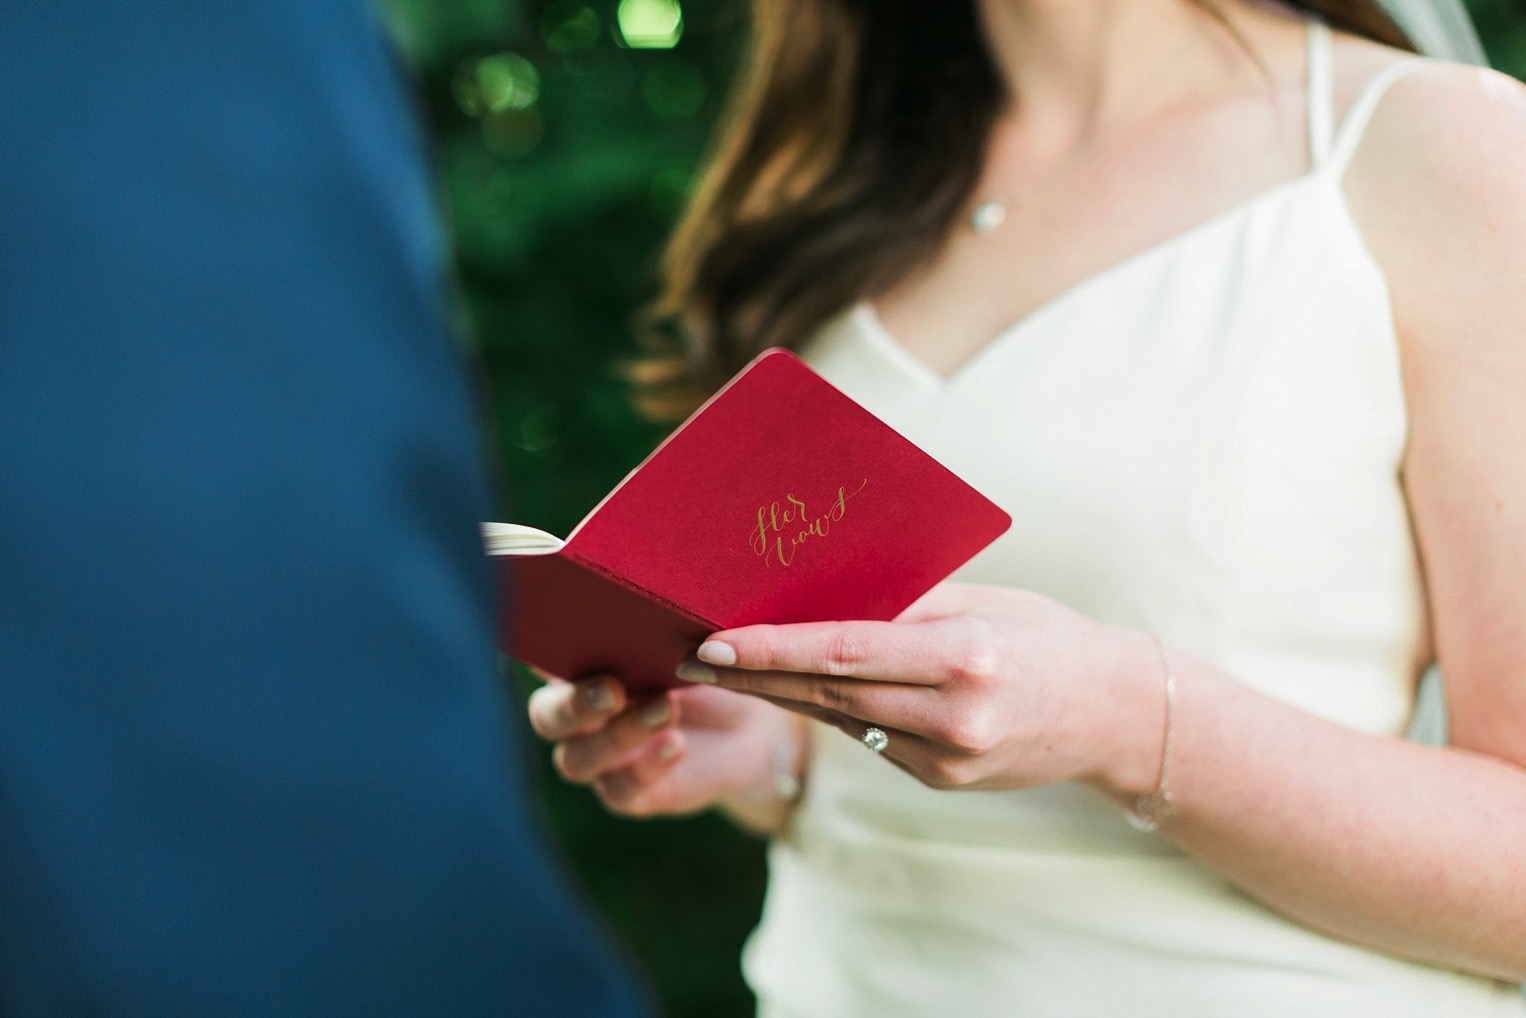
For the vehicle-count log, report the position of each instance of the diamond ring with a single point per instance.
(876, 740)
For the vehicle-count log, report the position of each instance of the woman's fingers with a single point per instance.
(886, 703)
(944, 727)
(637, 788)
(815, 713)
(561, 710)
(586, 757)
(931, 763)
(925, 653)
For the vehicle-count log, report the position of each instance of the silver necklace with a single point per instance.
(988, 215)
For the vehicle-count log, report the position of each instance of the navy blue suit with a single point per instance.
(254, 758)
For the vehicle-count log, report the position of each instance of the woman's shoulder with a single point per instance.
(1437, 182)
(1440, 117)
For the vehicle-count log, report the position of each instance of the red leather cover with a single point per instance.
(781, 500)
(571, 621)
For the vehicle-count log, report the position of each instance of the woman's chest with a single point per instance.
(1033, 238)
(1223, 415)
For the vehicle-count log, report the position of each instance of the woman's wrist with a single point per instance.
(1136, 741)
(766, 803)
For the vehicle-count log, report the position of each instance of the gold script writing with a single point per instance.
(782, 527)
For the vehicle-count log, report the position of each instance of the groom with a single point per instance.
(253, 758)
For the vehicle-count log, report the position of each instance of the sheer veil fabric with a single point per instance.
(1441, 28)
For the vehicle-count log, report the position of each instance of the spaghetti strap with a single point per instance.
(1350, 132)
(1319, 100)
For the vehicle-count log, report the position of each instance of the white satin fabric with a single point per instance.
(1204, 441)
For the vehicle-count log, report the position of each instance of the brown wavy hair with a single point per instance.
(852, 142)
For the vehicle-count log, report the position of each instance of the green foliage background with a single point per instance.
(564, 157)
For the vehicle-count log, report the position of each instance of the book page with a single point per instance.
(515, 539)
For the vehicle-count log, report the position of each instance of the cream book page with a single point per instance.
(514, 539)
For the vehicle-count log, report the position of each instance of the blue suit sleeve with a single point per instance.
(254, 757)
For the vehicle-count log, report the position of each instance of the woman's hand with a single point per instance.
(977, 687)
(673, 753)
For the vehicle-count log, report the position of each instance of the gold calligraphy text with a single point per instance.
(782, 527)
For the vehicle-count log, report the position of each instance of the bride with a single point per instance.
(1220, 300)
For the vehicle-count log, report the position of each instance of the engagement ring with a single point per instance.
(876, 740)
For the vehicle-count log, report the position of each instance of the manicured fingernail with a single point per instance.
(667, 749)
(716, 653)
(693, 671)
(656, 713)
(601, 698)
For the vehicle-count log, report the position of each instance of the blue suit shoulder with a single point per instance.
(255, 753)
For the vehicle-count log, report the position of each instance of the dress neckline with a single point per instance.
(1318, 113)
(870, 323)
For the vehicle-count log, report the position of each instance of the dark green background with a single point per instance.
(564, 157)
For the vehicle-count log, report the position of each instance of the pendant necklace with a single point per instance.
(988, 215)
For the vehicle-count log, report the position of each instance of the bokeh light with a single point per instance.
(650, 24)
(503, 81)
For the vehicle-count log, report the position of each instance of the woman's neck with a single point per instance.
(1071, 66)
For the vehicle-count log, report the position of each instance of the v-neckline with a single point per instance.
(1317, 114)
(873, 326)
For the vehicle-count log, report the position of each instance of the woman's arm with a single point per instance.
(1418, 850)
(1412, 849)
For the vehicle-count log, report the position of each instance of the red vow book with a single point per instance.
(781, 500)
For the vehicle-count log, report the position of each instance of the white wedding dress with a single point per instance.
(1203, 440)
